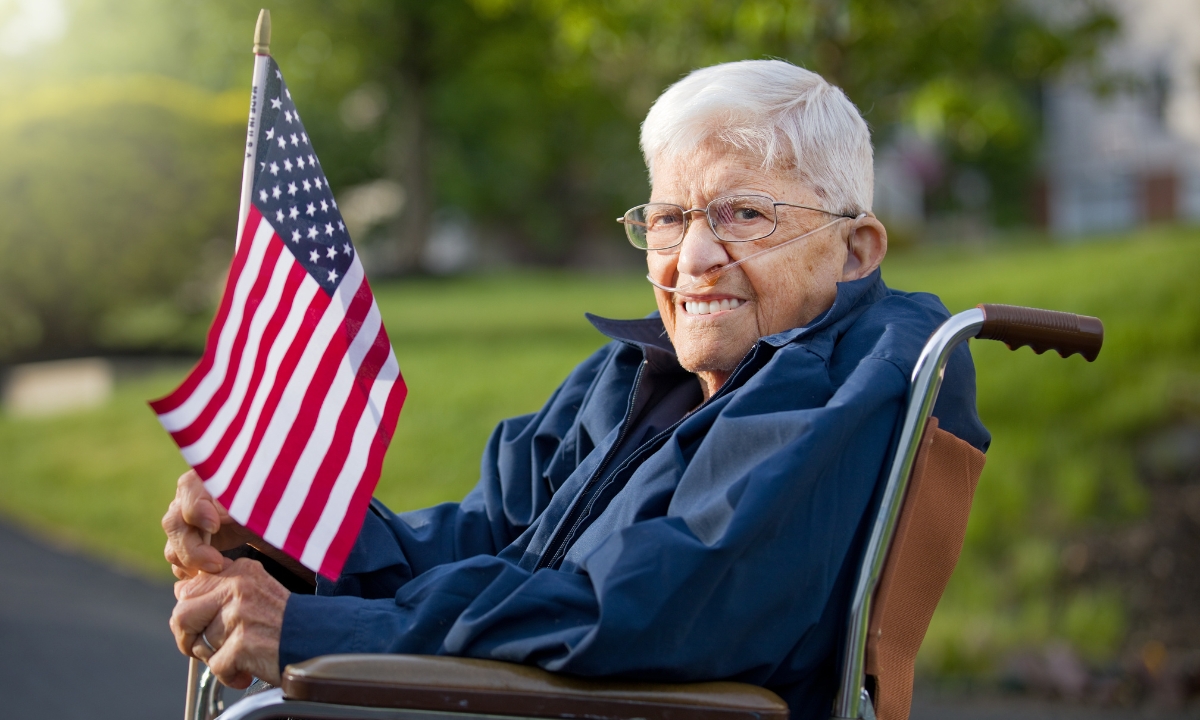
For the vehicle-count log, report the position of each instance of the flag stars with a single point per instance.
(307, 185)
(289, 93)
(314, 256)
(304, 137)
(300, 162)
(276, 192)
(278, 216)
(324, 206)
(270, 133)
(317, 181)
(292, 189)
(331, 252)
(312, 209)
(280, 76)
(287, 115)
(295, 140)
(333, 276)
(282, 143)
(276, 103)
(287, 164)
(262, 195)
(312, 160)
(329, 231)
(275, 168)
(342, 226)
(293, 213)
(295, 234)
(312, 234)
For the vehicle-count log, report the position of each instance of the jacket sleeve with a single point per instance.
(768, 505)
(518, 474)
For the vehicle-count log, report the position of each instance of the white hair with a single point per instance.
(790, 117)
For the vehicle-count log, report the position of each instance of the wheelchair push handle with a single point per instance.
(1042, 330)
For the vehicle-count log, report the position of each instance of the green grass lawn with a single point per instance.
(476, 350)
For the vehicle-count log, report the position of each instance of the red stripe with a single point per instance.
(192, 433)
(296, 275)
(184, 391)
(310, 407)
(339, 448)
(343, 541)
(312, 317)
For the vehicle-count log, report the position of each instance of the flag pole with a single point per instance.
(258, 90)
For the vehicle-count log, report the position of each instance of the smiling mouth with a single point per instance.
(700, 307)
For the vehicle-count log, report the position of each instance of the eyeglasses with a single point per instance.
(734, 218)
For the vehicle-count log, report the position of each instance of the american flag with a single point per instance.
(289, 412)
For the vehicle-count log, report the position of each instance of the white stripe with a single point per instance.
(219, 482)
(281, 421)
(200, 450)
(186, 414)
(334, 513)
(321, 439)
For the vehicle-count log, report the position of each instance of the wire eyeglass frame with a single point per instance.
(632, 223)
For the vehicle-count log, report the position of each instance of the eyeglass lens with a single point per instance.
(739, 218)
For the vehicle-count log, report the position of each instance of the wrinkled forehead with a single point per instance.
(714, 169)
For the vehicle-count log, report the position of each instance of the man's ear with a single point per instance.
(865, 247)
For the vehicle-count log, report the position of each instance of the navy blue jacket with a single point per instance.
(723, 546)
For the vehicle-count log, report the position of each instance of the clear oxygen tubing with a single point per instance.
(710, 278)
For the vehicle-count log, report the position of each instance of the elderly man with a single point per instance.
(691, 502)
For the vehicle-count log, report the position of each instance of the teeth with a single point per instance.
(694, 307)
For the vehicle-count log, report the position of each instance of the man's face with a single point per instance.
(778, 291)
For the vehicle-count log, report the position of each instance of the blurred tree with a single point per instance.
(521, 114)
(110, 190)
(965, 75)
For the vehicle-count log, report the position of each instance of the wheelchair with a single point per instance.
(910, 554)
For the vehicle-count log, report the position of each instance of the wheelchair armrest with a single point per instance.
(467, 685)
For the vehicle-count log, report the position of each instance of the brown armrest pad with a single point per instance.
(422, 682)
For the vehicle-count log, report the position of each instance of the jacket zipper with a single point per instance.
(567, 529)
(558, 543)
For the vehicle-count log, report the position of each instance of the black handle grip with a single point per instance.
(1042, 330)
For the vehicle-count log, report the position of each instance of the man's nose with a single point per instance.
(700, 250)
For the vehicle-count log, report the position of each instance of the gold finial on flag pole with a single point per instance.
(262, 33)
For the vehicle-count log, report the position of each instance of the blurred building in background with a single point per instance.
(1113, 156)
(1128, 158)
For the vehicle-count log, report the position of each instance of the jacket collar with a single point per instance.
(649, 334)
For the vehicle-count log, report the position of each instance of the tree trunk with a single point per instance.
(407, 162)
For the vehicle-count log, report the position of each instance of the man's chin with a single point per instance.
(698, 360)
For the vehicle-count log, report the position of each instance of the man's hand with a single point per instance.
(193, 514)
(240, 612)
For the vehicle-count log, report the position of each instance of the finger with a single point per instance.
(211, 640)
(185, 543)
(233, 663)
(191, 616)
(196, 504)
(205, 583)
(186, 546)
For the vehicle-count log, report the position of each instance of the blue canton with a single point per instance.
(291, 191)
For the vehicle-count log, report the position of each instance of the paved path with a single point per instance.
(81, 641)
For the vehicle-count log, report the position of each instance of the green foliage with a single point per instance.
(110, 189)
(965, 75)
(1064, 430)
(522, 114)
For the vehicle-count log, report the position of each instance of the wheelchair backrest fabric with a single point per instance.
(922, 556)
